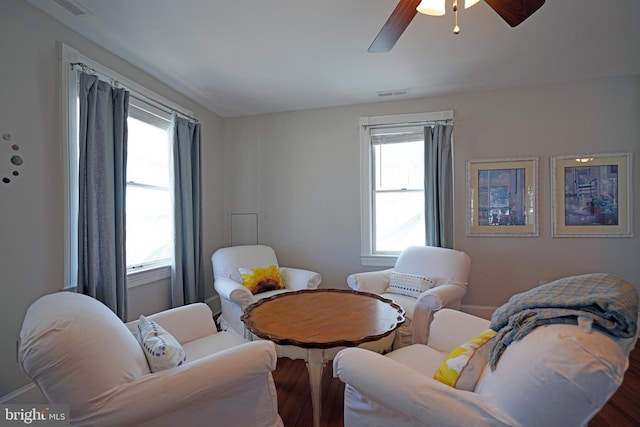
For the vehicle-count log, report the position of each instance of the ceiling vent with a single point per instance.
(74, 8)
(389, 93)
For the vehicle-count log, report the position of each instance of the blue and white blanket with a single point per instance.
(609, 301)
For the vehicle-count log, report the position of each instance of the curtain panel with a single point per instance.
(438, 185)
(187, 275)
(102, 270)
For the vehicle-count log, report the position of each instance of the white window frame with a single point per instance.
(367, 257)
(68, 98)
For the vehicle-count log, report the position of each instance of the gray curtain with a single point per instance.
(438, 184)
(187, 282)
(102, 268)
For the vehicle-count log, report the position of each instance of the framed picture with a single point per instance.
(592, 195)
(502, 197)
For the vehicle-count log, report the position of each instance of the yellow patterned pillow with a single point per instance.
(261, 279)
(463, 366)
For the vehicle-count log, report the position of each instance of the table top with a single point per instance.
(323, 318)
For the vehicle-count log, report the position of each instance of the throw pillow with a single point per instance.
(409, 284)
(463, 366)
(161, 349)
(261, 279)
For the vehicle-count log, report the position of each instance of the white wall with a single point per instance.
(300, 170)
(32, 205)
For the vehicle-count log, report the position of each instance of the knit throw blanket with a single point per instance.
(610, 302)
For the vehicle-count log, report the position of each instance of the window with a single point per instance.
(149, 203)
(392, 184)
(398, 188)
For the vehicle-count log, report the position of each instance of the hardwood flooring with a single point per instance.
(294, 397)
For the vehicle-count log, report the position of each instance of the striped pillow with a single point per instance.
(409, 284)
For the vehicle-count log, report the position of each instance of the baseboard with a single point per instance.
(484, 311)
(26, 394)
(214, 304)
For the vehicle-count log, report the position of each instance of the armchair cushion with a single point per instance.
(161, 349)
(261, 279)
(464, 365)
(412, 285)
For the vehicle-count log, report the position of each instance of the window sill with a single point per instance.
(378, 260)
(138, 277)
(149, 275)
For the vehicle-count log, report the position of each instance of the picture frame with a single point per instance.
(502, 197)
(592, 195)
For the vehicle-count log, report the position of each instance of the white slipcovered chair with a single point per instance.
(234, 296)
(78, 352)
(556, 376)
(448, 268)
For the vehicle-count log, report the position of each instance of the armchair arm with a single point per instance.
(298, 279)
(185, 323)
(402, 390)
(375, 282)
(447, 295)
(239, 374)
(233, 291)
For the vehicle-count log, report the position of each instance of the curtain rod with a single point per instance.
(405, 124)
(85, 68)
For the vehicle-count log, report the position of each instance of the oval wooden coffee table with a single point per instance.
(315, 324)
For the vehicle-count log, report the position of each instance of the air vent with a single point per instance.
(74, 7)
(397, 92)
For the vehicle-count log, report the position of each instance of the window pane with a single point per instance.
(399, 220)
(147, 154)
(399, 165)
(149, 225)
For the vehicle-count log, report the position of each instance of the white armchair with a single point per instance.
(558, 375)
(450, 269)
(79, 353)
(234, 296)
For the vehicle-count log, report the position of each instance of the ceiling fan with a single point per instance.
(514, 12)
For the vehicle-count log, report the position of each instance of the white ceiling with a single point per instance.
(250, 57)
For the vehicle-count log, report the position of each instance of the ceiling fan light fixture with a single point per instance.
(469, 3)
(432, 7)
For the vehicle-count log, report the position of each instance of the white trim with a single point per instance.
(69, 56)
(378, 260)
(406, 118)
(145, 276)
(67, 97)
(367, 257)
(214, 304)
(365, 193)
(484, 311)
(10, 397)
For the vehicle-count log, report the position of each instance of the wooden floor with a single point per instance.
(623, 409)
(294, 397)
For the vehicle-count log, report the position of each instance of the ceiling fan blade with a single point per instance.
(394, 27)
(515, 11)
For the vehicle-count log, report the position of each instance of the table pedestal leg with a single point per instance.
(315, 365)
